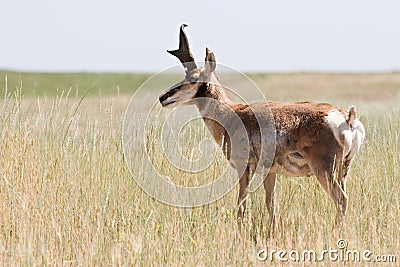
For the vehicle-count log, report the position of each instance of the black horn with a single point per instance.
(183, 52)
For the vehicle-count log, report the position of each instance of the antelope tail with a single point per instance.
(352, 116)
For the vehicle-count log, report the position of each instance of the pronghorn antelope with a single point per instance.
(311, 138)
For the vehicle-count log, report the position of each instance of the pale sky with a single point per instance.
(130, 36)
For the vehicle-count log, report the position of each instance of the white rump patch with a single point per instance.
(349, 136)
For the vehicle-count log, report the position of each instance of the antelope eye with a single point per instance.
(192, 80)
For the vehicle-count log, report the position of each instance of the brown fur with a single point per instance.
(311, 138)
(301, 134)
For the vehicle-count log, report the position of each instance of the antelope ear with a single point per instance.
(211, 63)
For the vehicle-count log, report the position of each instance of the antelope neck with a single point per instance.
(213, 105)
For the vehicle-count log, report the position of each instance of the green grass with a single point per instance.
(67, 197)
(52, 84)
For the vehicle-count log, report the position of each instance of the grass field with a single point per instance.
(67, 197)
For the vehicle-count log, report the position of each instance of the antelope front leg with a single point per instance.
(243, 191)
(269, 186)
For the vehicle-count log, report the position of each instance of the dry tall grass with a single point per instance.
(67, 197)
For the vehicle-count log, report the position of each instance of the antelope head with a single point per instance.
(196, 77)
